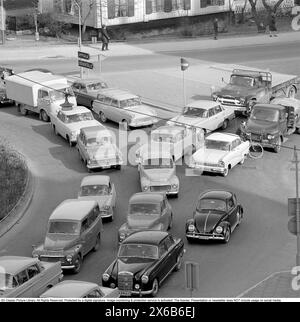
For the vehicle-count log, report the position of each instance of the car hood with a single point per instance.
(78, 125)
(209, 155)
(206, 222)
(159, 175)
(101, 200)
(105, 151)
(133, 265)
(236, 91)
(188, 120)
(59, 241)
(142, 111)
(258, 126)
(142, 221)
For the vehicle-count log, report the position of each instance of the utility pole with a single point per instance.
(2, 23)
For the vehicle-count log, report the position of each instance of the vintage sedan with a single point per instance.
(87, 90)
(78, 289)
(147, 211)
(74, 229)
(101, 190)
(179, 140)
(27, 277)
(123, 107)
(222, 151)
(69, 120)
(158, 173)
(97, 148)
(217, 215)
(208, 115)
(144, 261)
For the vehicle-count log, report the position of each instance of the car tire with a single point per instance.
(155, 288)
(227, 235)
(277, 148)
(97, 243)
(225, 125)
(171, 222)
(225, 173)
(54, 129)
(102, 117)
(44, 116)
(178, 263)
(23, 110)
(240, 217)
(118, 167)
(77, 264)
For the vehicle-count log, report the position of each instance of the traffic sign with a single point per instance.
(83, 55)
(85, 64)
(292, 202)
(192, 274)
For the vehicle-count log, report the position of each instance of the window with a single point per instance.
(207, 3)
(84, 225)
(120, 8)
(218, 109)
(61, 116)
(153, 6)
(22, 277)
(230, 203)
(211, 112)
(101, 98)
(107, 101)
(94, 294)
(76, 86)
(115, 103)
(33, 271)
(93, 216)
(43, 94)
(169, 242)
(162, 250)
(236, 143)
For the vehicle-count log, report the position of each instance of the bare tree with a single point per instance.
(255, 16)
(243, 11)
(87, 13)
(270, 8)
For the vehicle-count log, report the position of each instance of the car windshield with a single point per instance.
(163, 137)
(241, 80)
(60, 94)
(265, 114)
(64, 227)
(211, 204)
(159, 163)
(130, 102)
(138, 250)
(92, 141)
(5, 281)
(96, 86)
(217, 145)
(80, 117)
(195, 112)
(94, 190)
(144, 209)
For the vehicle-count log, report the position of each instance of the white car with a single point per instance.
(178, 140)
(221, 153)
(208, 115)
(68, 122)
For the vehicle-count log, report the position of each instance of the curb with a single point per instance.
(19, 210)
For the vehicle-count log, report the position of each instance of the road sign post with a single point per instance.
(184, 66)
(192, 274)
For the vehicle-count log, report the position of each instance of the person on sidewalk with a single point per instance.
(105, 38)
(272, 25)
(216, 28)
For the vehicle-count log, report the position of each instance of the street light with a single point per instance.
(79, 24)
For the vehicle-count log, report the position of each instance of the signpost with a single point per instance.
(85, 64)
(83, 55)
(192, 274)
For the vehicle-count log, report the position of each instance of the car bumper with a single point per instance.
(106, 214)
(66, 267)
(143, 123)
(103, 165)
(205, 168)
(204, 236)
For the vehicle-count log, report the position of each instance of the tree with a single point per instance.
(255, 16)
(271, 9)
(87, 14)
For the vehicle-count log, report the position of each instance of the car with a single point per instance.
(87, 90)
(74, 229)
(145, 259)
(79, 289)
(101, 190)
(216, 216)
(43, 70)
(205, 114)
(97, 148)
(222, 151)
(27, 277)
(123, 107)
(69, 120)
(179, 140)
(147, 211)
(158, 173)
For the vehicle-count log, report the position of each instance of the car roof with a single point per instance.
(117, 94)
(216, 194)
(14, 264)
(92, 131)
(146, 237)
(70, 289)
(75, 110)
(205, 104)
(169, 129)
(95, 180)
(88, 81)
(287, 101)
(146, 197)
(220, 136)
(271, 106)
(73, 209)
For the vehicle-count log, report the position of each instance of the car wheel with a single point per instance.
(239, 217)
(225, 173)
(77, 264)
(277, 148)
(171, 222)
(102, 117)
(118, 167)
(225, 125)
(23, 110)
(178, 263)
(155, 288)
(97, 244)
(298, 130)
(44, 116)
(227, 235)
(69, 141)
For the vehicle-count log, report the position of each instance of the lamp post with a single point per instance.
(80, 37)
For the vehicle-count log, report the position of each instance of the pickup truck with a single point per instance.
(38, 92)
(268, 124)
(248, 87)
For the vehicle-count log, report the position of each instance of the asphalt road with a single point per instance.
(260, 246)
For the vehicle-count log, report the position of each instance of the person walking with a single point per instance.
(272, 25)
(105, 38)
(216, 28)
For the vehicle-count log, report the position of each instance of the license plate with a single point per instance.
(125, 293)
(205, 237)
(106, 167)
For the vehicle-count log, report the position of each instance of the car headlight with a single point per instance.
(35, 255)
(122, 236)
(219, 230)
(69, 258)
(106, 207)
(191, 228)
(73, 134)
(242, 100)
(145, 279)
(174, 185)
(105, 277)
(137, 286)
(145, 188)
(270, 136)
(221, 164)
(214, 97)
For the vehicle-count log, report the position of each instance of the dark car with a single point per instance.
(216, 216)
(144, 260)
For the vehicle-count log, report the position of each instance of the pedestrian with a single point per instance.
(216, 28)
(272, 25)
(105, 38)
